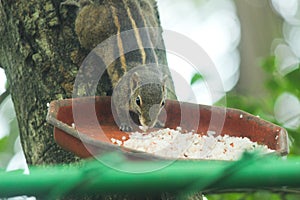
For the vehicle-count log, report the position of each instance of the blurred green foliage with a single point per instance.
(254, 196)
(276, 85)
(196, 77)
(4, 144)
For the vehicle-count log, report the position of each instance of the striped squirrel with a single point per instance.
(140, 81)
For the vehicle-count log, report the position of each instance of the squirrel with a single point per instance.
(138, 98)
(139, 77)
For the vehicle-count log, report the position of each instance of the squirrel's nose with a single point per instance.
(153, 113)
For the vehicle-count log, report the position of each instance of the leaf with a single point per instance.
(3, 144)
(268, 64)
(294, 78)
(197, 77)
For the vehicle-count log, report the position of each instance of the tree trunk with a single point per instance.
(37, 45)
(260, 26)
(41, 54)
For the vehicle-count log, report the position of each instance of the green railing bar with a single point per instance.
(251, 172)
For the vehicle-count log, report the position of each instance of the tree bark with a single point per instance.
(37, 45)
(41, 54)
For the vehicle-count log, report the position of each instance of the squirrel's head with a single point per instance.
(147, 99)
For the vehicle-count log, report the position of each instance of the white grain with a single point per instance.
(171, 143)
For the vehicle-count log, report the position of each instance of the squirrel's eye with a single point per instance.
(138, 101)
(163, 103)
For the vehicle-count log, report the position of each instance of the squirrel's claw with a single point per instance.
(159, 124)
(124, 127)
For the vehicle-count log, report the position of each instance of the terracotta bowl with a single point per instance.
(85, 126)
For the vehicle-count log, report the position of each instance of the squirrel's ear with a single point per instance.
(134, 81)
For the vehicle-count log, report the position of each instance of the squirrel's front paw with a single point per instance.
(159, 124)
(125, 127)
